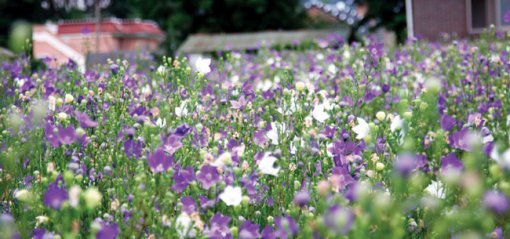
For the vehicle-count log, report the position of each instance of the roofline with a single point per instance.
(103, 20)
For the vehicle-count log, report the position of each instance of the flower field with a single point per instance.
(331, 142)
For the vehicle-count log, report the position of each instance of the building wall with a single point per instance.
(43, 49)
(138, 44)
(433, 17)
(87, 43)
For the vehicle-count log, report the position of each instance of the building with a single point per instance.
(79, 40)
(210, 43)
(429, 19)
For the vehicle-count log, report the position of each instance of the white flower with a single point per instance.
(146, 90)
(396, 123)
(181, 110)
(273, 133)
(161, 70)
(436, 189)
(319, 114)
(502, 159)
(266, 165)
(362, 130)
(52, 101)
(202, 65)
(183, 225)
(39, 220)
(332, 69)
(222, 160)
(161, 123)
(232, 196)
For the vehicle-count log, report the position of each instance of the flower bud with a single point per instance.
(23, 195)
(69, 99)
(92, 197)
(62, 116)
(380, 116)
(379, 166)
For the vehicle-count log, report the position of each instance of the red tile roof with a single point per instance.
(111, 26)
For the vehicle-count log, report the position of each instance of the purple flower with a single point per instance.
(496, 202)
(459, 139)
(497, 233)
(188, 204)
(159, 161)
(172, 143)
(451, 162)
(108, 231)
(218, 227)
(238, 104)
(340, 178)
(302, 198)
(114, 68)
(259, 137)
(51, 135)
(405, 164)
(447, 122)
(182, 177)
(67, 135)
(339, 219)
(268, 233)
(55, 196)
(84, 120)
(286, 227)
(133, 148)
(249, 230)
(41, 233)
(182, 130)
(208, 176)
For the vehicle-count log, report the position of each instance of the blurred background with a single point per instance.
(91, 31)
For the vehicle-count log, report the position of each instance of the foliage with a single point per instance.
(344, 142)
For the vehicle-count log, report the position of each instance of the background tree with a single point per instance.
(388, 14)
(179, 18)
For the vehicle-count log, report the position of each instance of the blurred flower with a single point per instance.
(436, 189)
(396, 123)
(302, 198)
(69, 99)
(92, 197)
(55, 196)
(84, 120)
(108, 231)
(23, 195)
(339, 219)
(286, 227)
(496, 201)
(249, 230)
(183, 225)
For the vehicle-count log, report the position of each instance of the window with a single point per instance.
(478, 17)
(502, 8)
(478, 14)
